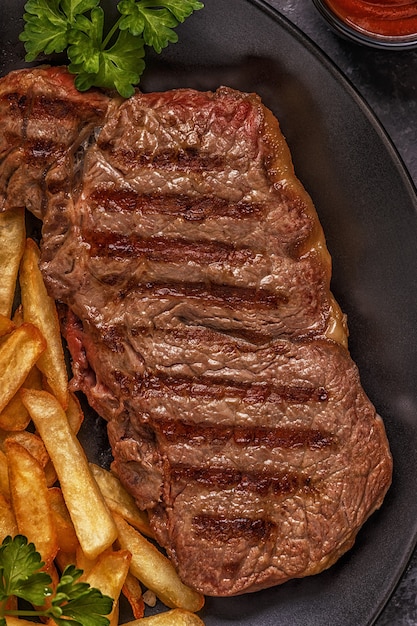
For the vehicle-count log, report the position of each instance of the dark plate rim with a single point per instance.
(411, 187)
(307, 42)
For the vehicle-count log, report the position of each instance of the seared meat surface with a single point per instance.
(193, 278)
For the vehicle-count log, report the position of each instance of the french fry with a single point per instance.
(40, 309)
(155, 571)
(133, 593)
(12, 243)
(176, 617)
(4, 476)
(114, 620)
(50, 474)
(18, 354)
(119, 500)
(14, 416)
(67, 537)
(33, 444)
(30, 501)
(8, 524)
(84, 562)
(74, 413)
(6, 325)
(92, 520)
(17, 621)
(18, 316)
(108, 575)
(63, 559)
(87, 563)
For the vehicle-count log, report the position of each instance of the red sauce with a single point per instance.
(394, 18)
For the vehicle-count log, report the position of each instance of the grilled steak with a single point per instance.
(193, 278)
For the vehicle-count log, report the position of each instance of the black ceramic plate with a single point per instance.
(368, 209)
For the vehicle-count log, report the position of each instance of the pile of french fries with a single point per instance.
(73, 511)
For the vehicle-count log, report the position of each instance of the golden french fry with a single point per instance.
(155, 571)
(114, 619)
(92, 520)
(29, 495)
(14, 416)
(18, 354)
(176, 617)
(12, 243)
(6, 325)
(119, 500)
(67, 537)
(84, 562)
(40, 309)
(63, 559)
(50, 474)
(8, 524)
(33, 444)
(17, 621)
(133, 593)
(18, 316)
(4, 476)
(74, 412)
(108, 575)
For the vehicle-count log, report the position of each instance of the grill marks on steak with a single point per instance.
(190, 209)
(44, 120)
(207, 388)
(194, 281)
(163, 250)
(220, 478)
(290, 437)
(246, 238)
(284, 480)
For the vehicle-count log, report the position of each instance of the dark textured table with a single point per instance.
(387, 80)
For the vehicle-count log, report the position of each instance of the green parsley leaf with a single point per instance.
(72, 8)
(181, 9)
(155, 24)
(80, 602)
(20, 573)
(113, 61)
(85, 42)
(73, 601)
(46, 28)
(118, 67)
(155, 19)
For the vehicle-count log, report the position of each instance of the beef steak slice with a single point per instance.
(193, 278)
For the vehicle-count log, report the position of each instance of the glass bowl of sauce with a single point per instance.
(389, 24)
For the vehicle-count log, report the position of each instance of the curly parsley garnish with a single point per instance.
(72, 603)
(114, 60)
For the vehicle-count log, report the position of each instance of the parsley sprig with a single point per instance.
(114, 60)
(72, 602)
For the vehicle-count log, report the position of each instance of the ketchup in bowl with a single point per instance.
(379, 23)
